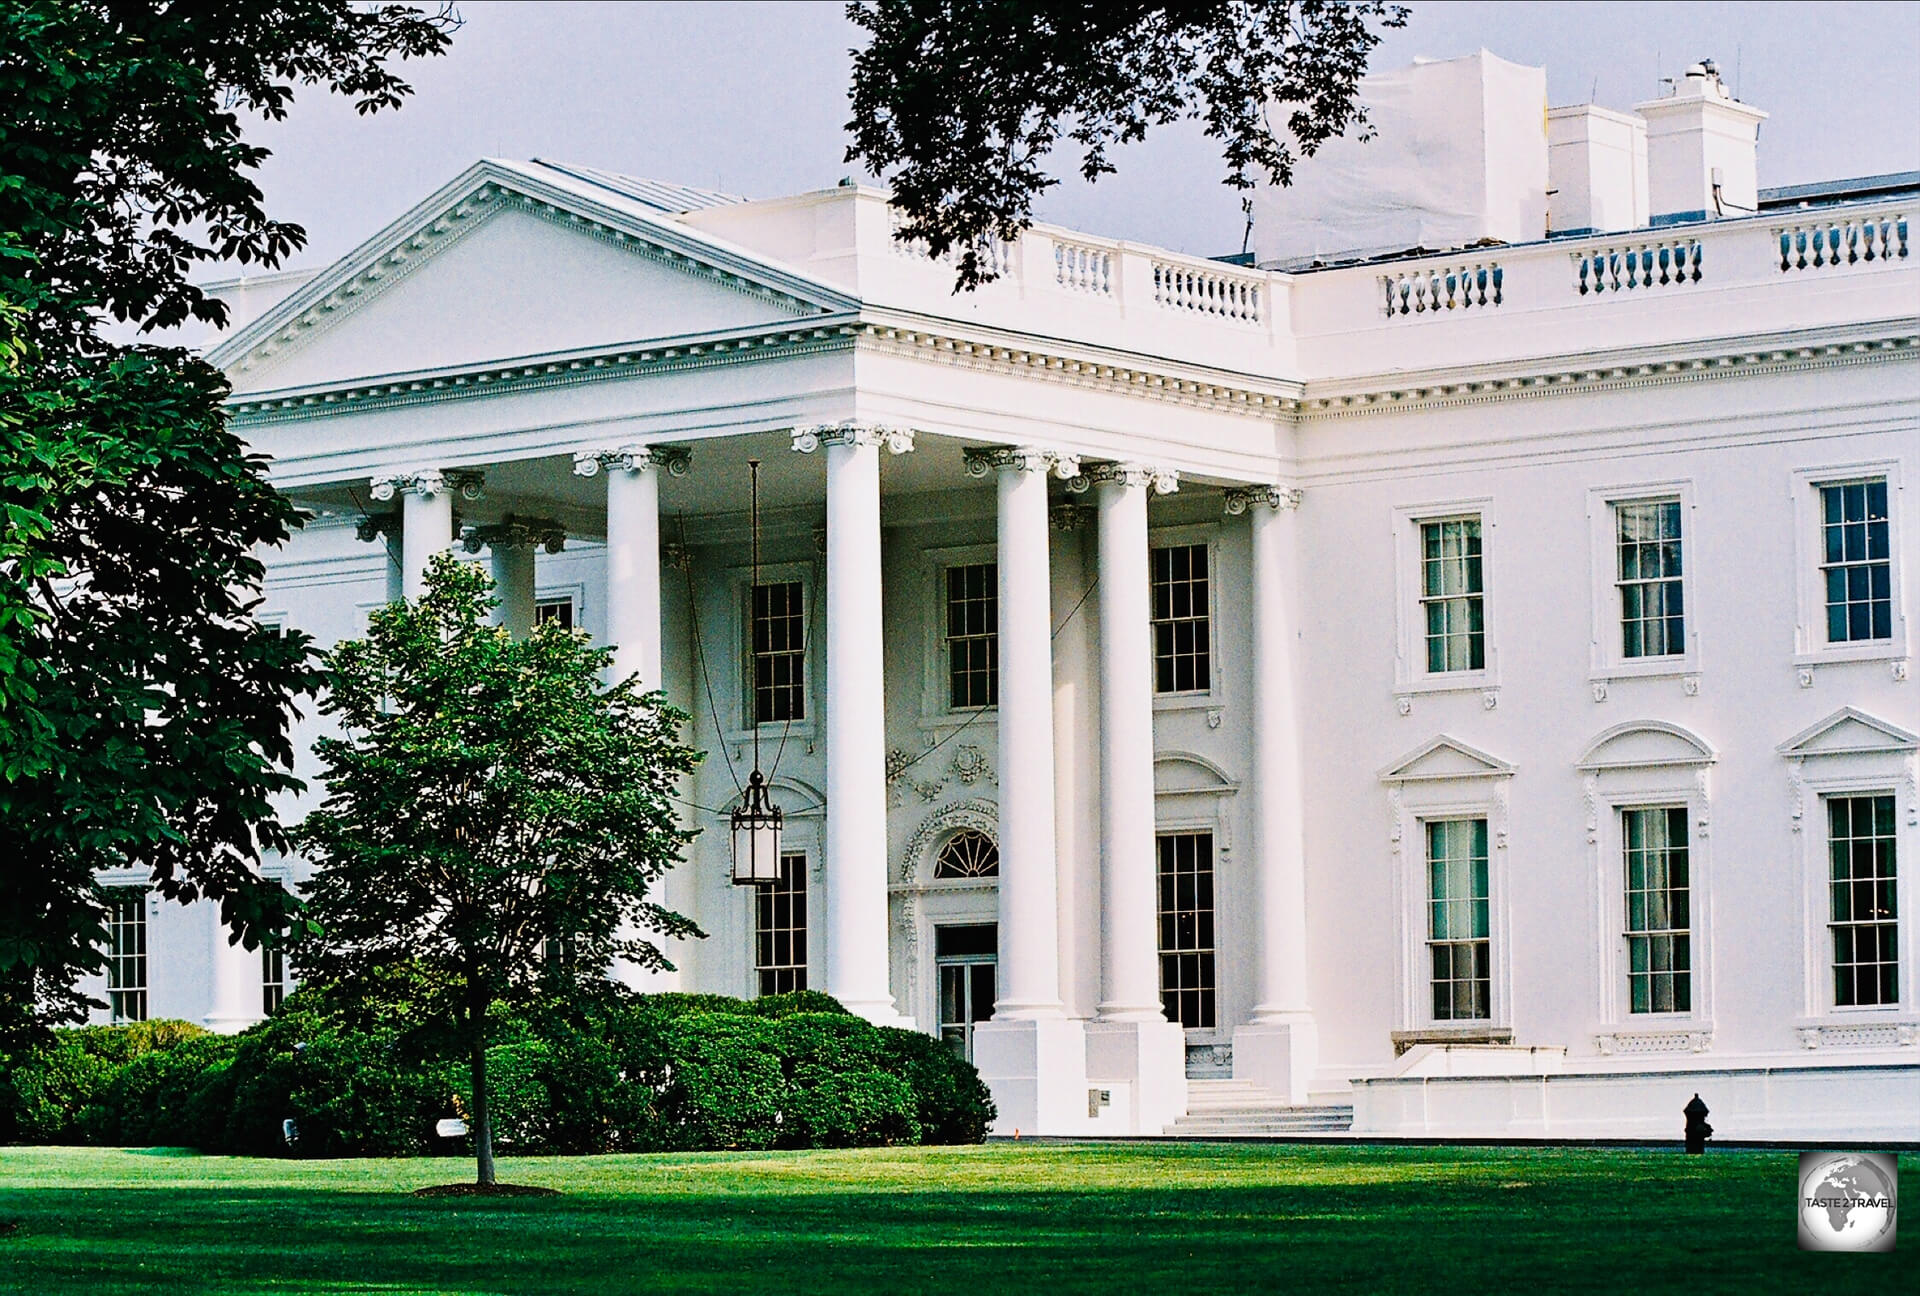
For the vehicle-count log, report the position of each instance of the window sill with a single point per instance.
(1185, 701)
(1645, 668)
(772, 732)
(1451, 682)
(1876, 650)
(1476, 1034)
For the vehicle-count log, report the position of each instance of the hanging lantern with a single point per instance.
(756, 836)
(757, 821)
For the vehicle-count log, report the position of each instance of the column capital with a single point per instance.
(376, 525)
(1278, 498)
(516, 533)
(897, 440)
(1036, 459)
(1068, 517)
(429, 482)
(1164, 481)
(672, 460)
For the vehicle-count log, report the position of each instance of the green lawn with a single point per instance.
(1203, 1219)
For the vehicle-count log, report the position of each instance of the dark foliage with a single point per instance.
(143, 712)
(958, 103)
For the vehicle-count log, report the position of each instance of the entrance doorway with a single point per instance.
(963, 957)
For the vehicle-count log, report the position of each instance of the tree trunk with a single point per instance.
(482, 1111)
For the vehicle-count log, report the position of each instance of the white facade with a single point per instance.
(573, 350)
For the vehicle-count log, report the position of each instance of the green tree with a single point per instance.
(958, 102)
(143, 711)
(489, 803)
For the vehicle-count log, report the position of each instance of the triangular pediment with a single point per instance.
(1444, 758)
(1848, 732)
(503, 264)
(1646, 744)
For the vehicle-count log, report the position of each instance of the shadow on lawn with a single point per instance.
(1648, 1224)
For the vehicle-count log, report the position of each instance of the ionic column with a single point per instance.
(235, 1003)
(1029, 969)
(426, 518)
(1277, 1047)
(510, 546)
(856, 836)
(633, 551)
(1129, 966)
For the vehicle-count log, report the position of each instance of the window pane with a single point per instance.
(1856, 569)
(1182, 642)
(1459, 919)
(1862, 912)
(1186, 927)
(780, 928)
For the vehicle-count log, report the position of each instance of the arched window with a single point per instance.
(967, 854)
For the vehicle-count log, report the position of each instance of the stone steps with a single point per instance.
(1242, 1109)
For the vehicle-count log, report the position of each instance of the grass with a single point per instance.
(1053, 1219)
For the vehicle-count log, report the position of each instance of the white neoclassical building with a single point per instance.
(1472, 687)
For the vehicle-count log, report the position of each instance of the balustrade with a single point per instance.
(1082, 267)
(1207, 292)
(1437, 288)
(1845, 240)
(1631, 266)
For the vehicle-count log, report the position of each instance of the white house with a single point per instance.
(1470, 686)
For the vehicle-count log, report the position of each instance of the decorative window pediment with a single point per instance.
(1444, 758)
(1645, 744)
(1849, 732)
(1185, 774)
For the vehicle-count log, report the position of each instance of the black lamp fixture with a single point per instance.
(757, 821)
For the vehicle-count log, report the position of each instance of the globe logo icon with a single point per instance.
(1848, 1201)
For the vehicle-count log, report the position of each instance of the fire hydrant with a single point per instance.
(1698, 1131)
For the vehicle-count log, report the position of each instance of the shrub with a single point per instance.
(853, 1108)
(795, 1001)
(517, 1093)
(60, 1087)
(348, 1094)
(150, 1099)
(951, 1101)
(724, 1087)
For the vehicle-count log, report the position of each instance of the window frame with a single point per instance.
(738, 645)
(1903, 992)
(139, 894)
(1167, 537)
(1609, 661)
(803, 866)
(1211, 832)
(1810, 626)
(936, 716)
(1885, 762)
(572, 595)
(1410, 633)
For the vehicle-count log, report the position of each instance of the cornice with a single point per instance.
(1620, 370)
(539, 372)
(1120, 373)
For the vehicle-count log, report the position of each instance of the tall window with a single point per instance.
(273, 978)
(1856, 566)
(1647, 543)
(127, 954)
(1452, 596)
(554, 611)
(1182, 628)
(1186, 928)
(777, 653)
(780, 928)
(1659, 954)
(1865, 919)
(1459, 920)
(973, 635)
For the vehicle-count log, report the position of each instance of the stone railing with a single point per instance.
(1627, 266)
(1476, 285)
(996, 255)
(1083, 267)
(1209, 292)
(1844, 240)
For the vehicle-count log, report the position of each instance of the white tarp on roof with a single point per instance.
(1459, 155)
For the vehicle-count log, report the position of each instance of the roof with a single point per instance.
(658, 194)
(1832, 191)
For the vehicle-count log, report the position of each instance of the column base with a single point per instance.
(1150, 1057)
(1036, 1071)
(880, 1012)
(230, 1025)
(1278, 1053)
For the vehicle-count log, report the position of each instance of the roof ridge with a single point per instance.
(663, 195)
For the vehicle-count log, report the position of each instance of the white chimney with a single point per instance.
(1596, 170)
(1700, 150)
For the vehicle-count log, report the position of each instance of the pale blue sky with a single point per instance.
(751, 98)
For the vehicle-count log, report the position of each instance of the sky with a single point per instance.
(751, 99)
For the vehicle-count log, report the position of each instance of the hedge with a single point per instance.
(618, 1073)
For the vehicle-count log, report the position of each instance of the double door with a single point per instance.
(964, 958)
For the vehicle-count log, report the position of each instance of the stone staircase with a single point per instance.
(1242, 1109)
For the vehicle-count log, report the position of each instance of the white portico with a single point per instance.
(1440, 686)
